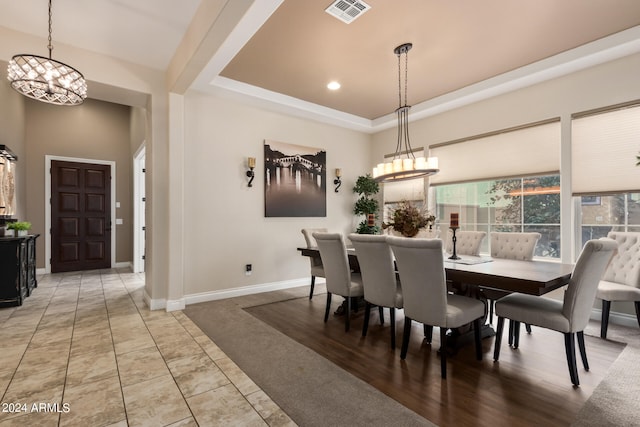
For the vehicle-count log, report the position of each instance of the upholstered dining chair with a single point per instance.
(621, 280)
(340, 279)
(467, 242)
(316, 263)
(569, 316)
(426, 300)
(381, 286)
(510, 245)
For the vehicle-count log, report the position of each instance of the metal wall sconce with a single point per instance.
(337, 181)
(251, 162)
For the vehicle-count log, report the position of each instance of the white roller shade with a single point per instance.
(603, 152)
(524, 151)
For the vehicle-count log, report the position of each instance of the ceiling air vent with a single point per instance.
(347, 10)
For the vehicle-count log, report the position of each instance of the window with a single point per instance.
(614, 212)
(528, 204)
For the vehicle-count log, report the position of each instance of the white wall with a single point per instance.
(225, 224)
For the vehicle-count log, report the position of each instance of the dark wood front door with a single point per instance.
(80, 216)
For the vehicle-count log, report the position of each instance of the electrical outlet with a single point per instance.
(248, 269)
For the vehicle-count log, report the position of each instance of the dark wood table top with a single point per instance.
(529, 277)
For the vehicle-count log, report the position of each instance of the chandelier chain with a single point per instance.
(50, 45)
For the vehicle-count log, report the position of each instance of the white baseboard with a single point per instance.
(154, 304)
(245, 290)
(622, 319)
(125, 264)
(175, 305)
(41, 271)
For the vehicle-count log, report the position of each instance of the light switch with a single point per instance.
(118, 221)
(117, 204)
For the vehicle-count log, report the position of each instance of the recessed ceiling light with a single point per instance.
(333, 85)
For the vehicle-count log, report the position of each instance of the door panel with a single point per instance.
(80, 216)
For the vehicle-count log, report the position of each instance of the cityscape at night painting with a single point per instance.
(295, 180)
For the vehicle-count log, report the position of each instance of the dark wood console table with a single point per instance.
(17, 269)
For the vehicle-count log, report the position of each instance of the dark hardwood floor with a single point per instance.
(529, 386)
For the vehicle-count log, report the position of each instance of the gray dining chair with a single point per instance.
(316, 263)
(569, 316)
(510, 245)
(426, 300)
(381, 285)
(340, 279)
(468, 242)
(621, 280)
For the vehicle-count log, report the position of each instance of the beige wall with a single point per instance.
(225, 227)
(12, 119)
(95, 130)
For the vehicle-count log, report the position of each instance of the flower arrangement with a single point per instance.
(408, 219)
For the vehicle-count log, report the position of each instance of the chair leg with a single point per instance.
(476, 336)
(428, 333)
(604, 324)
(313, 285)
(367, 312)
(527, 327)
(496, 350)
(406, 334)
(443, 352)
(583, 350)
(570, 348)
(392, 316)
(381, 315)
(516, 334)
(510, 332)
(637, 304)
(347, 318)
(490, 310)
(326, 310)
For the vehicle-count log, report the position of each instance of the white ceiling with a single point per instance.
(145, 32)
(283, 52)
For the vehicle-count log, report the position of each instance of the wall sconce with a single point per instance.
(337, 181)
(251, 162)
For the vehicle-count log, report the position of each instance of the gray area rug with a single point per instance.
(328, 395)
(616, 400)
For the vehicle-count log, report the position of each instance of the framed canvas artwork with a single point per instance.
(295, 180)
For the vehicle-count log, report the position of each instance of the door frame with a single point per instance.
(138, 210)
(47, 204)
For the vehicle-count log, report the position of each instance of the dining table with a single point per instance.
(469, 275)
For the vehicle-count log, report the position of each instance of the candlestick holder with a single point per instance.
(454, 239)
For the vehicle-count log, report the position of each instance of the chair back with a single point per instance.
(377, 269)
(581, 292)
(311, 243)
(421, 267)
(625, 265)
(467, 242)
(520, 246)
(335, 261)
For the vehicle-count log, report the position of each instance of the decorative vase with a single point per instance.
(22, 233)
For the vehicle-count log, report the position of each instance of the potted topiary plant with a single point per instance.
(21, 227)
(366, 205)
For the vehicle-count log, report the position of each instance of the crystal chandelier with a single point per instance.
(45, 79)
(404, 164)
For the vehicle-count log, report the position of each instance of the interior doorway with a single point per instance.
(139, 202)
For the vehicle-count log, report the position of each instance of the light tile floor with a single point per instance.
(85, 350)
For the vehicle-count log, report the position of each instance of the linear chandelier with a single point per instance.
(404, 164)
(45, 79)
